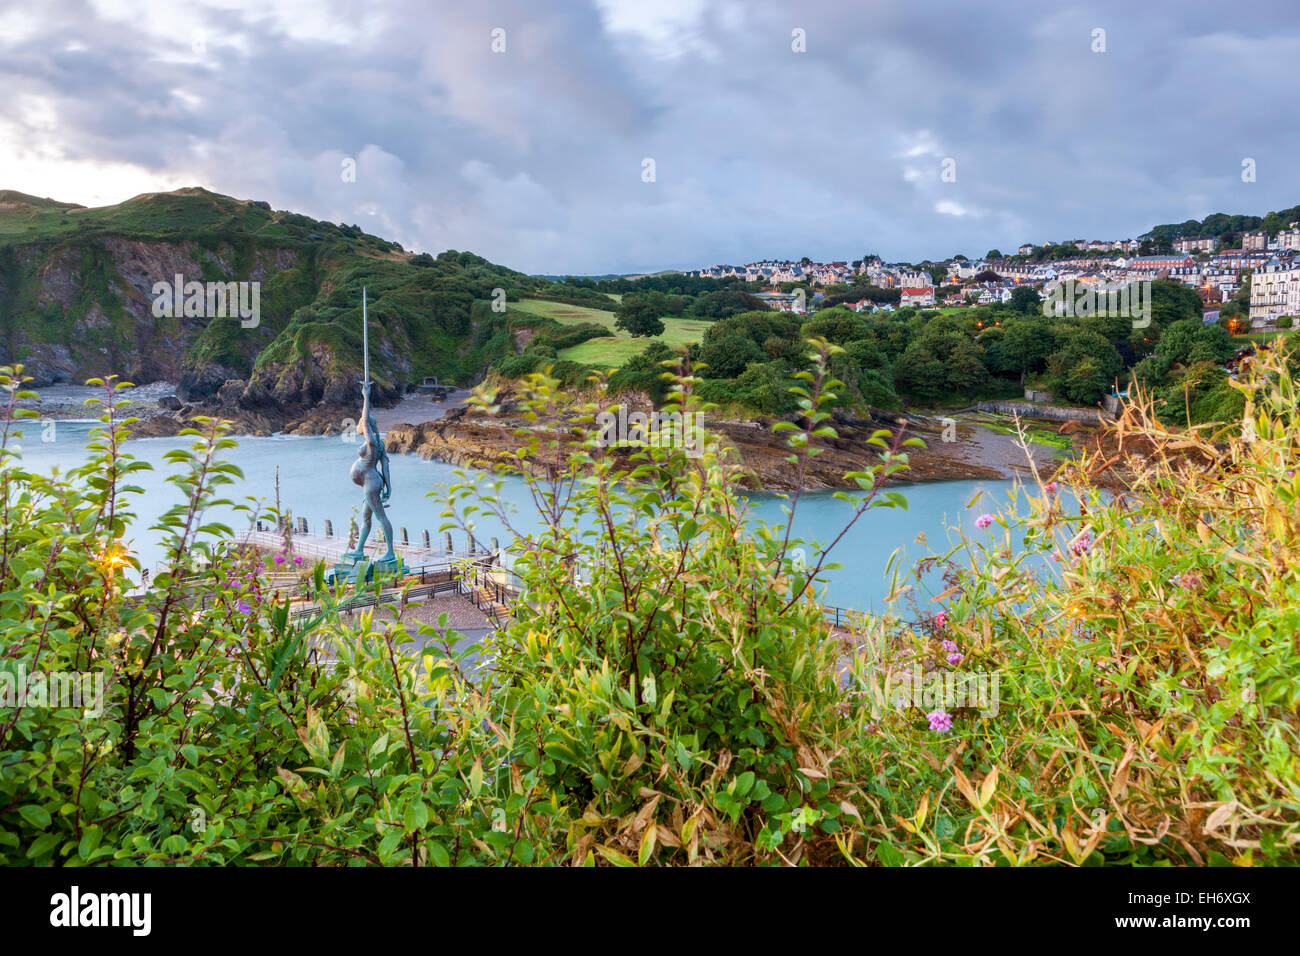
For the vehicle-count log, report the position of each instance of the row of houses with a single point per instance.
(1095, 245)
(1216, 278)
(777, 271)
(1286, 240)
(1254, 241)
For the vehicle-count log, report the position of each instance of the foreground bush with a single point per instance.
(1146, 650)
(668, 691)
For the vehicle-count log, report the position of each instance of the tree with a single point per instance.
(638, 317)
(993, 254)
(1025, 300)
(1086, 382)
(965, 368)
(1101, 365)
(920, 374)
(1172, 301)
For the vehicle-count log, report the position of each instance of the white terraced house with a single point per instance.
(1274, 292)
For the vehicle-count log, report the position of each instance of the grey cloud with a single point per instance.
(533, 157)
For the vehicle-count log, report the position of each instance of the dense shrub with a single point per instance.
(516, 366)
(644, 372)
(1146, 652)
(668, 691)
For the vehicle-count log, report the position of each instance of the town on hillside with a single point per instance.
(1215, 269)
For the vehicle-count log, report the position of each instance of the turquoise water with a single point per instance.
(313, 478)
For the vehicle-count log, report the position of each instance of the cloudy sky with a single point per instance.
(536, 156)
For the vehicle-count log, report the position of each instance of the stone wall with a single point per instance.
(1051, 413)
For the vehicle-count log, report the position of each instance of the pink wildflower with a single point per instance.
(983, 521)
(955, 659)
(1052, 487)
(941, 619)
(950, 647)
(940, 721)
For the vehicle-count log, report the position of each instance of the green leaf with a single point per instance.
(35, 814)
(90, 838)
(416, 815)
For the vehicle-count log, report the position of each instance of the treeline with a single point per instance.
(642, 313)
(928, 358)
(1221, 225)
(892, 359)
(669, 283)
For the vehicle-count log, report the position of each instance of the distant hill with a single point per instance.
(76, 299)
(600, 278)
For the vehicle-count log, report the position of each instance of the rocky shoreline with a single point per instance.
(470, 439)
(453, 433)
(161, 413)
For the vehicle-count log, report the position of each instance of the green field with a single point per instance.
(1259, 337)
(618, 347)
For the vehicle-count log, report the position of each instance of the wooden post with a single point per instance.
(447, 542)
(329, 528)
(425, 534)
(405, 541)
(302, 526)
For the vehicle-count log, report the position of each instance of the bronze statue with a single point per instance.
(370, 470)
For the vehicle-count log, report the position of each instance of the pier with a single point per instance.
(474, 572)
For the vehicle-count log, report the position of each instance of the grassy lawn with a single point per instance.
(1258, 337)
(1037, 434)
(618, 347)
(609, 353)
(564, 313)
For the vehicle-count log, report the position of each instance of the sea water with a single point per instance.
(313, 484)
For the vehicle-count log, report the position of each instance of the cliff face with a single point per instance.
(78, 293)
(469, 439)
(84, 309)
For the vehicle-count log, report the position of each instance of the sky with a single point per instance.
(620, 136)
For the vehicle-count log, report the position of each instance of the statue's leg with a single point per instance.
(373, 490)
(364, 534)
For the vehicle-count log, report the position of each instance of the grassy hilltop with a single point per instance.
(76, 298)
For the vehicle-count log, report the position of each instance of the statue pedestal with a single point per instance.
(354, 569)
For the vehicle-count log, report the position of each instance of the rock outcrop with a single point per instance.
(472, 439)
